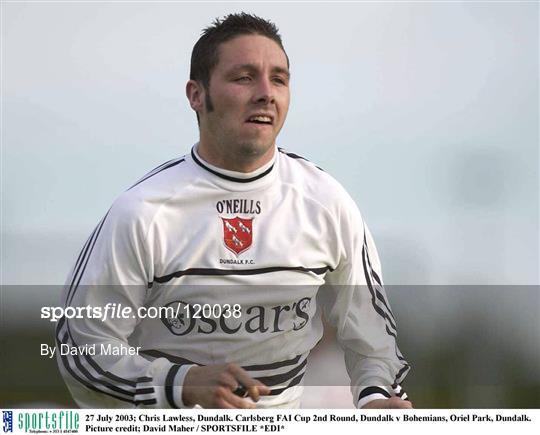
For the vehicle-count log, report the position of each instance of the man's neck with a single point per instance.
(234, 162)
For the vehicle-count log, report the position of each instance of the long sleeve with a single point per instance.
(113, 270)
(355, 302)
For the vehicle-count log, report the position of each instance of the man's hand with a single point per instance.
(213, 386)
(392, 403)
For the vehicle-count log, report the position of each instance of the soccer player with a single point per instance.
(263, 240)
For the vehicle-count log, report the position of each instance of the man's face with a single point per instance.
(249, 95)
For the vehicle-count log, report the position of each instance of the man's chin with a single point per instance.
(254, 149)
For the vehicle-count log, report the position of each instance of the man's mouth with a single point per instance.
(260, 119)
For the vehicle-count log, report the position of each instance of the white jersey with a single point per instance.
(263, 253)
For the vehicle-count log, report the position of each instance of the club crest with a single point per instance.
(237, 234)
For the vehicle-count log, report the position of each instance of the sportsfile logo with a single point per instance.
(7, 420)
(48, 421)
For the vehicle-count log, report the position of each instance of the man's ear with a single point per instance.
(195, 95)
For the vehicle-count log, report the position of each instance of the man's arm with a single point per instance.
(114, 267)
(355, 302)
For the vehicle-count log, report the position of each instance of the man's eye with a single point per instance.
(243, 79)
(279, 80)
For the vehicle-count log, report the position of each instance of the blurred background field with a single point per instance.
(426, 112)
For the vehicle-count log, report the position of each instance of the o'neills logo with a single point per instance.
(238, 206)
(256, 319)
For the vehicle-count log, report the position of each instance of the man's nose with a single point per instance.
(264, 92)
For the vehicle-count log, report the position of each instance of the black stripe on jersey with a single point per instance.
(271, 366)
(89, 246)
(227, 177)
(398, 353)
(172, 358)
(404, 370)
(296, 156)
(294, 382)
(373, 390)
(82, 253)
(378, 309)
(392, 333)
(406, 367)
(221, 272)
(94, 388)
(157, 170)
(380, 296)
(255, 367)
(374, 274)
(147, 390)
(169, 383)
(150, 173)
(270, 381)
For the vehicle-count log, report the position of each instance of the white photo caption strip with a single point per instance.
(412, 421)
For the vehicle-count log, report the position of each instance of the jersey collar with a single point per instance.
(237, 177)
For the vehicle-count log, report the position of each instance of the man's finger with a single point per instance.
(228, 380)
(257, 390)
(254, 388)
(254, 392)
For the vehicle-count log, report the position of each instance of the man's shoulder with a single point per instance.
(162, 177)
(153, 189)
(311, 178)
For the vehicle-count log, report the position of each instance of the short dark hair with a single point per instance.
(204, 56)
